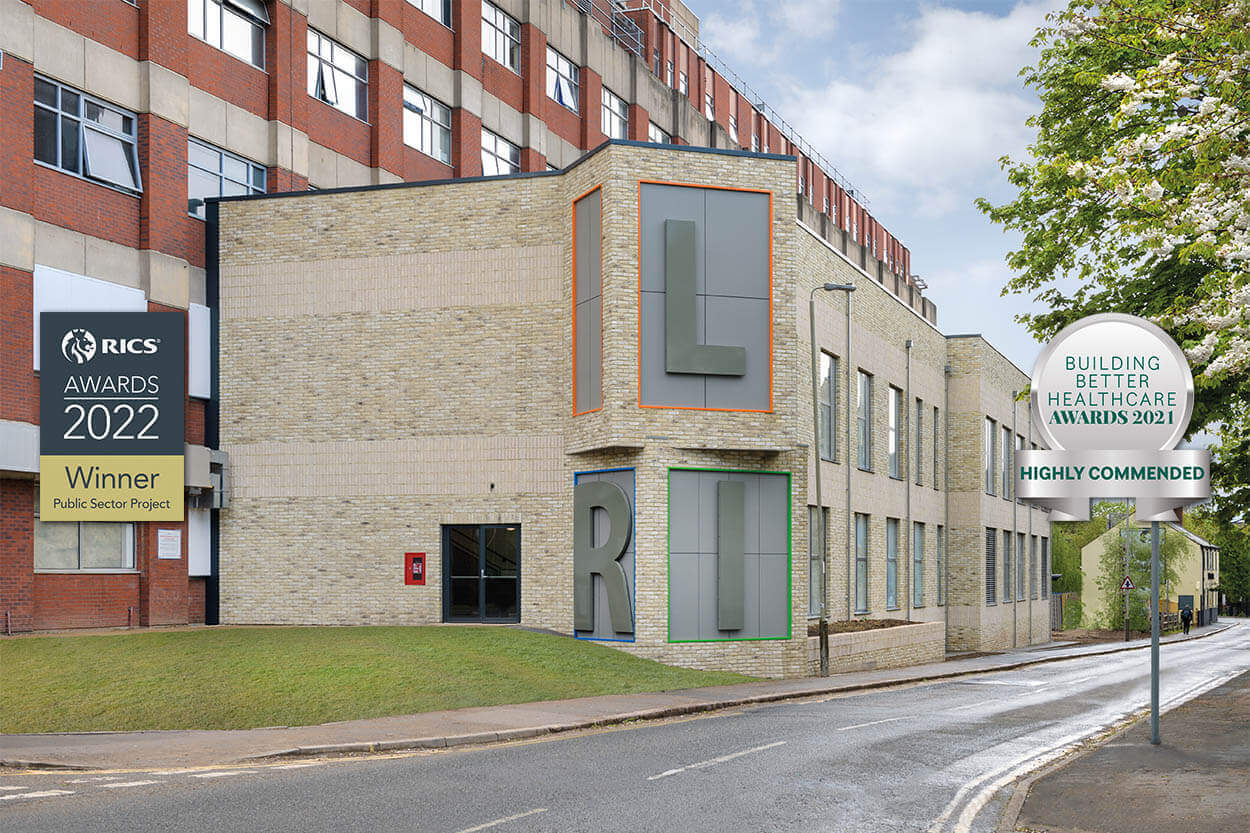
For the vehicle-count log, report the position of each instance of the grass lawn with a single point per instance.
(236, 678)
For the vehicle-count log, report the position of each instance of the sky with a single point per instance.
(914, 103)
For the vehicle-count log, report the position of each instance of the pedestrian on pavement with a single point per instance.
(1187, 616)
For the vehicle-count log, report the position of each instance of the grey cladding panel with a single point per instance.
(697, 578)
(731, 245)
(604, 626)
(588, 315)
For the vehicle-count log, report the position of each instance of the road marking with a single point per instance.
(504, 820)
(14, 788)
(869, 723)
(224, 774)
(713, 761)
(966, 706)
(295, 766)
(93, 780)
(40, 794)
(128, 784)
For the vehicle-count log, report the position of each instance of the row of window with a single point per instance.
(827, 399)
(1033, 581)
(892, 526)
(998, 455)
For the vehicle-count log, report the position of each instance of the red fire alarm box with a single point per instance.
(414, 568)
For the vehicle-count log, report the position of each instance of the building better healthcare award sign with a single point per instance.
(1112, 396)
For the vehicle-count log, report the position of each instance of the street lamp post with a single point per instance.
(820, 509)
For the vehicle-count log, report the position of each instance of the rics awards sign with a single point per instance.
(1112, 395)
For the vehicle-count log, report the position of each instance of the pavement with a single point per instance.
(433, 730)
(1197, 780)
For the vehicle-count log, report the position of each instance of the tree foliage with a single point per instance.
(1111, 571)
(1234, 543)
(1136, 197)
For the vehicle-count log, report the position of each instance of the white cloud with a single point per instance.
(932, 120)
(747, 33)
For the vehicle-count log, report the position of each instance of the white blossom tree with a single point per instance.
(1138, 190)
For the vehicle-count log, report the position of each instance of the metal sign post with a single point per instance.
(1154, 632)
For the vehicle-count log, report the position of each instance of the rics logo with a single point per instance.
(78, 346)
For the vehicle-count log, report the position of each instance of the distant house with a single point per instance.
(1198, 573)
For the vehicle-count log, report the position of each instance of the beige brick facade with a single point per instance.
(393, 360)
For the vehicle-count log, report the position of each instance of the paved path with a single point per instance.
(1197, 780)
(479, 725)
(930, 756)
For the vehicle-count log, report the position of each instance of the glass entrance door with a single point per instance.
(482, 573)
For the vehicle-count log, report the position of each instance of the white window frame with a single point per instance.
(128, 538)
(501, 37)
(327, 73)
(709, 105)
(917, 564)
(225, 173)
(86, 128)
(430, 120)
(658, 135)
(207, 21)
(828, 401)
(683, 83)
(668, 70)
(733, 127)
(562, 81)
(440, 10)
(941, 586)
(990, 452)
(615, 115)
(816, 561)
(494, 161)
(863, 420)
(895, 453)
(861, 563)
(891, 563)
(755, 143)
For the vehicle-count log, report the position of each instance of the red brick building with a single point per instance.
(117, 118)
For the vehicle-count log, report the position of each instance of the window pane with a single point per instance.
(105, 546)
(109, 158)
(203, 157)
(212, 28)
(45, 135)
(45, 93)
(56, 546)
(69, 102)
(106, 117)
(200, 185)
(195, 18)
(71, 153)
(234, 168)
(259, 178)
(503, 551)
(236, 35)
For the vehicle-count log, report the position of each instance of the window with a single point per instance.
(1020, 567)
(1033, 567)
(917, 565)
(615, 116)
(683, 83)
(1045, 568)
(440, 10)
(709, 106)
(337, 76)
(658, 57)
(82, 135)
(755, 144)
(1007, 565)
(802, 184)
(935, 447)
(826, 208)
(895, 408)
(891, 563)
(941, 586)
(562, 86)
(733, 128)
(668, 73)
(499, 156)
(657, 135)
(991, 566)
(828, 399)
(501, 36)
(427, 125)
(861, 563)
(212, 172)
(990, 434)
(236, 27)
(83, 545)
(1006, 463)
(815, 559)
(1015, 460)
(863, 421)
(919, 429)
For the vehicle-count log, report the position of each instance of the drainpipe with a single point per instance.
(850, 519)
(946, 501)
(1015, 531)
(907, 535)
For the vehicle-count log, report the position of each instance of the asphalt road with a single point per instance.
(923, 757)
